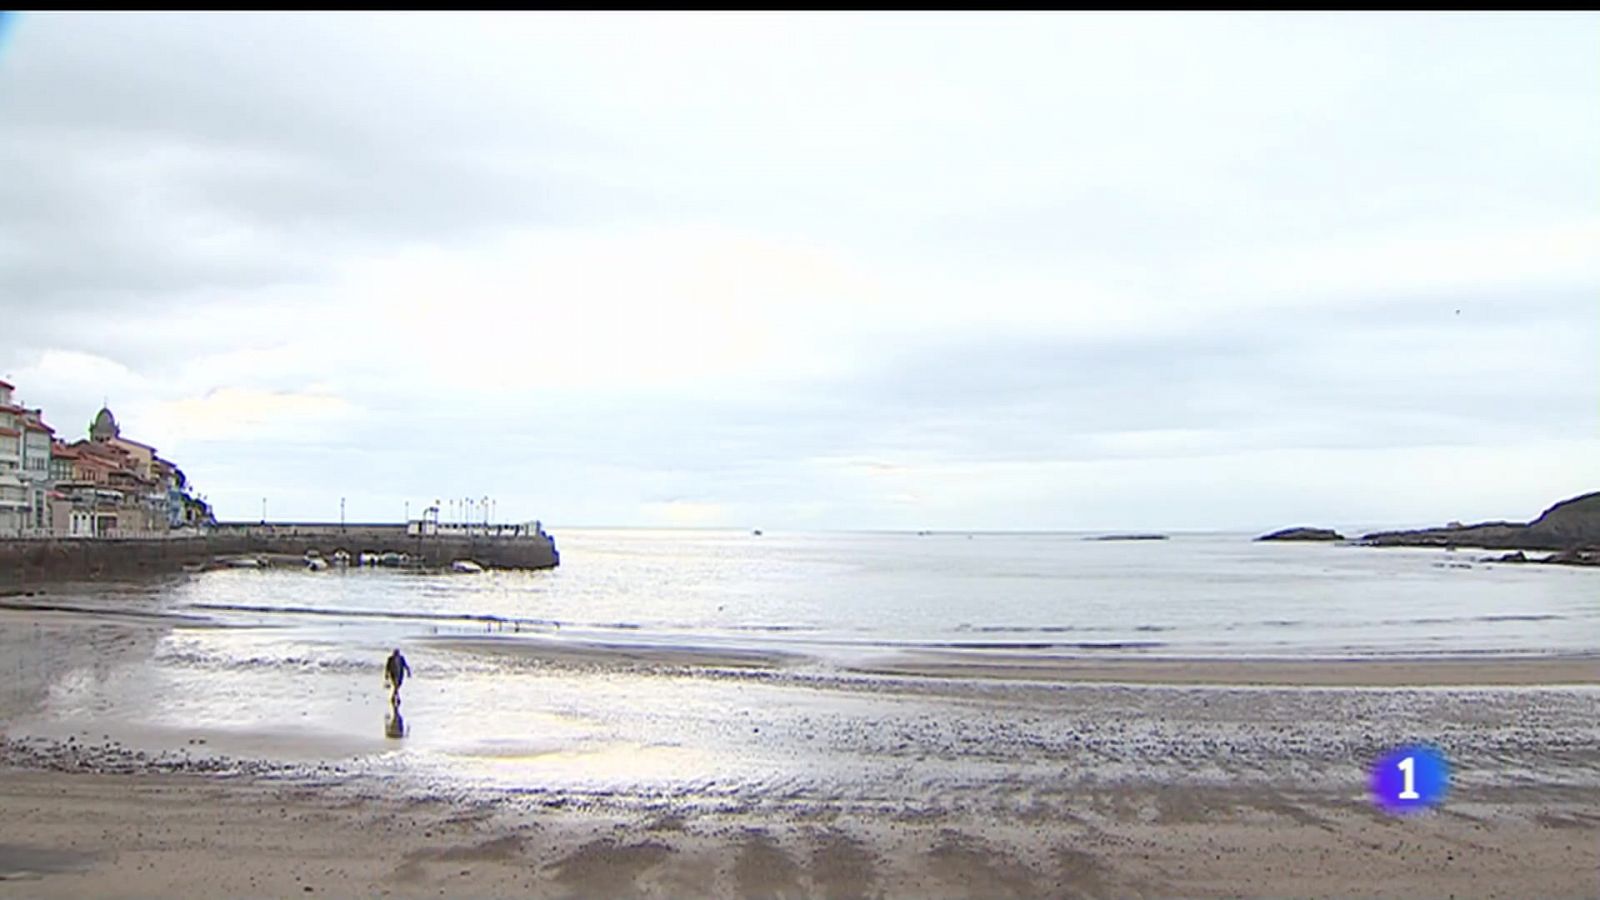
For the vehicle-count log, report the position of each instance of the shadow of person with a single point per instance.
(394, 724)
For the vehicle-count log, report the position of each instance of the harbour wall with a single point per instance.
(28, 562)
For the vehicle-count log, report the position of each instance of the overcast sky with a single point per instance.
(818, 271)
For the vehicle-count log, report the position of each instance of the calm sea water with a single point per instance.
(832, 594)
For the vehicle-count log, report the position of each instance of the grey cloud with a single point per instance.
(327, 84)
(149, 159)
(181, 185)
(1050, 398)
(1234, 387)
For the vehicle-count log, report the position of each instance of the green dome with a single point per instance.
(104, 427)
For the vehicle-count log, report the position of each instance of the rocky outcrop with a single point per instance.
(1578, 556)
(1572, 523)
(1303, 534)
(1569, 525)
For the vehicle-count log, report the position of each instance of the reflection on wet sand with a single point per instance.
(394, 724)
(57, 656)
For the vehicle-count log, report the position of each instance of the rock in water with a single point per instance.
(1578, 556)
(1303, 534)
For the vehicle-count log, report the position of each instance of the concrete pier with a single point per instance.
(32, 561)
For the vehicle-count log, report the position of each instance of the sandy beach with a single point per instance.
(83, 834)
(936, 775)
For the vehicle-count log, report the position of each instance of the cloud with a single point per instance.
(1414, 261)
(70, 386)
(232, 414)
(820, 269)
(686, 514)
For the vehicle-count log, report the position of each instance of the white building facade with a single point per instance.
(25, 473)
(16, 498)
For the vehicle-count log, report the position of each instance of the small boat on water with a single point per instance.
(466, 566)
(388, 558)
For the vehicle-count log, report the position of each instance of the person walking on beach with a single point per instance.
(395, 671)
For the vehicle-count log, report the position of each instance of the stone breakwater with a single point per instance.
(28, 562)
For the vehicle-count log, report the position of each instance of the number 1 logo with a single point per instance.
(1409, 766)
(1410, 779)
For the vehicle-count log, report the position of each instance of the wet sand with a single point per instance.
(938, 777)
(1445, 671)
(1401, 672)
(619, 655)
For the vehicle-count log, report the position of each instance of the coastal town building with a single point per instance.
(37, 438)
(13, 498)
(24, 465)
(105, 485)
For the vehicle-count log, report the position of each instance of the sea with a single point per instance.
(837, 595)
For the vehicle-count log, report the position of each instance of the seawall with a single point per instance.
(33, 561)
